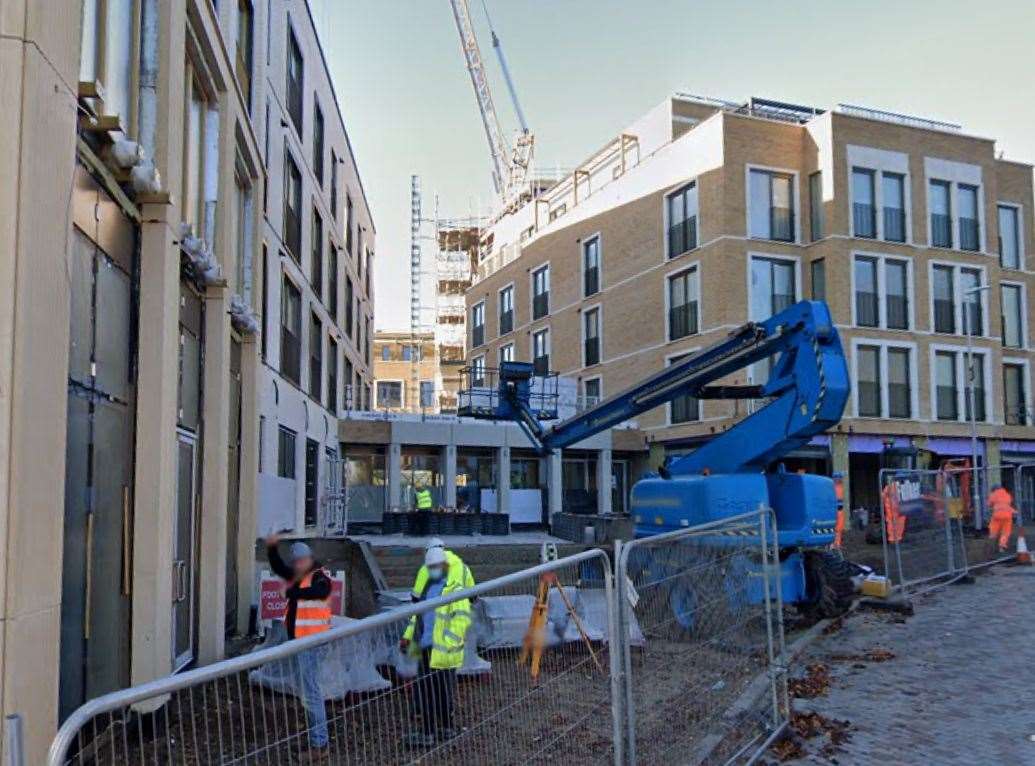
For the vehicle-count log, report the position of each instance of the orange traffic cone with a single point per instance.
(1023, 554)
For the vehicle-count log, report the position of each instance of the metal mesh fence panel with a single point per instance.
(702, 609)
(992, 527)
(535, 687)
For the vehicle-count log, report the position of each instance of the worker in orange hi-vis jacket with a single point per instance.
(1001, 523)
(894, 521)
(839, 525)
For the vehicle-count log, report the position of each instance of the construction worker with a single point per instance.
(894, 521)
(1001, 524)
(839, 525)
(436, 638)
(422, 498)
(308, 593)
(456, 570)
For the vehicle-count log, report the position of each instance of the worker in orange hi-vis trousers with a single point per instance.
(839, 526)
(1001, 523)
(894, 521)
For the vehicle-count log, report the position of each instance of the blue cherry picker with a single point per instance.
(805, 395)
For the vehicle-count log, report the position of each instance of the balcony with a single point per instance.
(682, 236)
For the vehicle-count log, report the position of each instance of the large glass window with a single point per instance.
(938, 198)
(389, 394)
(771, 205)
(896, 291)
(773, 287)
(506, 309)
(1009, 237)
(591, 266)
(1015, 395)
(292, 205)
(350, 310)
(318, 147)
(286, 440)
(977, 382)
(507, 353)
(244, 45)
(540, 292)
(332, 281)
(316, 278)
(893, 201)
(295, 80)
(315, 356)
(541, 351)
(944, 299)
(946, 391)
(816, 206)
(970, 235)
(1013, 316)
(591, 392)
(591, 337)
(866, 301)
(478, 371)
(900, 389)
(683, 297)
(332, 376)
(682, 220)
(683, 409)
(972, 313)
(864, 205)
(291, 332)
(867, 360)
(348, 225)
(193, 182)
(819, 279)
(477, 324)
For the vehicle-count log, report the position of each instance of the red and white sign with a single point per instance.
(273, 603)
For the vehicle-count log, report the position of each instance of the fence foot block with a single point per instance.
(964, 580)
(900, 605)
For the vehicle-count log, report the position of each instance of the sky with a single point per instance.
(584, 69)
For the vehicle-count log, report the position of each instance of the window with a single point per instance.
(946, 393)
(591, 392)
(347, 387)
(389, 394)
(1015, 395)
(332, 376)
(867, 312)
(893, 202)
(357, 392)
(819, 279)
(478, 372)
(317, 255)
(540, 292)
(334, 185)
(977, 381)
(864, 205)
(816, 206)
(291, 332)
(370, 270)
(348, 224)
(367, 343)
(286, 439)
(292, 205)
(1009, 237)
(973, 316)
(685, 408)
(386, 354)
(318, 147)
(541, 352)
(477, 324)
(332, 282)
(243, 49)
(506, 309)
(941, 213)
(773, 286)
(591, 267)
(241, 210)
(970, 235)
(349, 307)
(295, 80)
(315, 356)
(683, 297)
(896, 292)
(1013, 316)
(507, 353)
(264, 332)
(944, 299)
(867, 360)
(682, 220)
(900, 390)
(192, 193)
(771, 205)
(591, 337)
(427, 394)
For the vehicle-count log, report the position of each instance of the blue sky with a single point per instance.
(584, 69)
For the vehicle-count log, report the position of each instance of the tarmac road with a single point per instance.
(960, 688)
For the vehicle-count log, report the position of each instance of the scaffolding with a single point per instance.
(455, 266)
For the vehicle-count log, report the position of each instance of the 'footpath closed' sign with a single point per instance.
(273, 604)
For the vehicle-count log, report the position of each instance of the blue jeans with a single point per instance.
(308, 666)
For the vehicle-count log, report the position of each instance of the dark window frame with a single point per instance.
(294, 90)
(684, 319)
(681, 235)
(591, 273)
(291, 340)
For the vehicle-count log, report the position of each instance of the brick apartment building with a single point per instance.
(405, 372)
(705, 214)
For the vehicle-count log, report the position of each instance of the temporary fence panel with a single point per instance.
(1025, 493)
(988, 529)
(922, 514)
(381, 704)
(703, 682)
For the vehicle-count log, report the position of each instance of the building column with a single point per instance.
(394, 476)
(839, 464)
(212, 518)
(655, 456)
(449, 475)
(248, 495)
(604, 481)
(555, 482)
(503, 473)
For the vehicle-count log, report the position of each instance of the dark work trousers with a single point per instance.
(435, 690)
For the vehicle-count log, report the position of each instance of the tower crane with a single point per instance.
(511, 164)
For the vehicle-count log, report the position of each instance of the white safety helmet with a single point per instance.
(435, 557)
(434, 542)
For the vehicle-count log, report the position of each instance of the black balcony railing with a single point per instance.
(682, 236)
(894, 224)
(898, 312)
(541, 364)
(541, 305)
(682, 320)
(944, 315)
(970, 235)
(591, 281)
(477, 335)
(592, 351)
(781, 222)
(506, 321)
(866, 311)
(864, 220)
(941, 230)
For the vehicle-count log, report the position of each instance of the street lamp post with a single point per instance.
(969, 383)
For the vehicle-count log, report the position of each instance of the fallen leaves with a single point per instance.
(814, 684)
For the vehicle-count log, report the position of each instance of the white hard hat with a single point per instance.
(434, 542)
(434, 557)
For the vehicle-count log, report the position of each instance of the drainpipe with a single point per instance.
(145, 174)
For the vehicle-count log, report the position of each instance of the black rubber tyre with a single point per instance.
(828, 583)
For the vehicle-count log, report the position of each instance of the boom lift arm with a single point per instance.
(808, 388)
